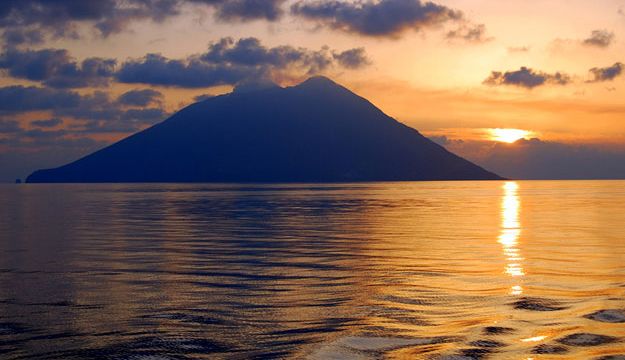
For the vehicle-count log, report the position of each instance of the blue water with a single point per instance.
(430, 270)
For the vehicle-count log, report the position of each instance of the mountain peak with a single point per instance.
(318, 81)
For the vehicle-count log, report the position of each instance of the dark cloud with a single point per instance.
(47, 123)
(99, 113)
(470, 33)
(56, 68)
(30, 141)
(28, 12)
(19, 36)
(142, 97)
(537, 159)
(60, 16)
(599, 38)
(229, 62)
(606, 73)
(95, 106)
(127, 11)
(353, 58)
(91, 113)
(20, 98)
(246, 9)
(385, 18)
(250, 52)
(156, 69)
(24, 20)
(83, 115)
(9, 126)
(43, 134)
(527, 78)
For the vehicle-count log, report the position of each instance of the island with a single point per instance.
(316, 131)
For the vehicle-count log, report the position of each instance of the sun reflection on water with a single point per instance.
(535, 338)
(510, 233)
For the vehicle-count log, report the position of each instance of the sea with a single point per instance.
(389, 270)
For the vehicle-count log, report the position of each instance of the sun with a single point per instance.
(508, 135)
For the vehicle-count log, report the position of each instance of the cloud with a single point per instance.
(142, 97)
(599, 38)
(9, 126)
(470, 33)
(61, 16)
(250, 52)
(246, 9)
(43, 134)
(96, 112)
(144, 116)
(606, 73)
(353, 58)
(48, 123)
(95, 106)
(24, 20)
(99, 113)
(14, 37)
(26, 12)
(55, 68)
(229, 62)
(527, 78)
(19, 98)
(385, 18)
(127, 11)
(156, 69)
(538, 159)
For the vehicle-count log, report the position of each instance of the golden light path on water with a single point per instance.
(510, 233)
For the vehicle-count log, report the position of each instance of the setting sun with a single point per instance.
(508, 135)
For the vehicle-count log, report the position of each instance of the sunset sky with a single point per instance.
(77, 75)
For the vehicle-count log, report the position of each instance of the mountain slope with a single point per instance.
(316, 131)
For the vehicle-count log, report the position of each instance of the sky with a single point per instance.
(78, 75)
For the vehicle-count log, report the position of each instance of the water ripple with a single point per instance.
(435, 270)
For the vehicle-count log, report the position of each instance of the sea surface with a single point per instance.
(414, 270)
